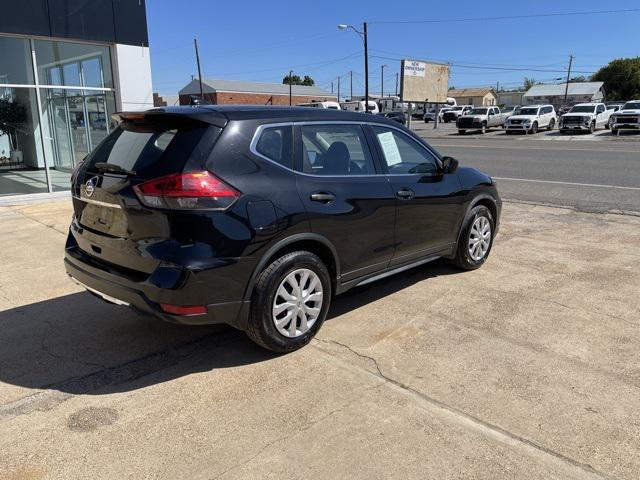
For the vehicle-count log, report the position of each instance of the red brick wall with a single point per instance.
(223, 98)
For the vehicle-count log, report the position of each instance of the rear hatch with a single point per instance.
(118, 217)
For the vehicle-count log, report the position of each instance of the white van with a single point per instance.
(330, 105)
(359, 106)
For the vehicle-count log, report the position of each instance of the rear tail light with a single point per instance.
(193, 190)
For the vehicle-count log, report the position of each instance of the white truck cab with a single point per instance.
(328, 104)
(531, 118)
(585, 117)
(627, 118)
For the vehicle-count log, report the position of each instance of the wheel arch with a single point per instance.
(484, 199)
(311, 242)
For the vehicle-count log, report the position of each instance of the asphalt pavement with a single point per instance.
(595, 174)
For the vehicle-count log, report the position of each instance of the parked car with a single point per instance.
(480, 118)
(614, 106)
(627, 118)
(530, 119)
(395, 116)
(258, 216)
(453, 113)
(585, 117)
(429, 116)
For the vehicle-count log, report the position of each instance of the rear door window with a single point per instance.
(335, 150)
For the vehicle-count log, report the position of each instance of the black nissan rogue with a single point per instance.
(258, 216)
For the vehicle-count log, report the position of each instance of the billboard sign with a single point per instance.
(424, 81)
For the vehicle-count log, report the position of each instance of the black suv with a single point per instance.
(258, 216)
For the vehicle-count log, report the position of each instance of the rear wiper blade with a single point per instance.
(113, 168)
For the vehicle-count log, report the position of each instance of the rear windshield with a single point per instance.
(151, 150)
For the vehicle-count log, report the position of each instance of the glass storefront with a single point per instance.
(53, 115)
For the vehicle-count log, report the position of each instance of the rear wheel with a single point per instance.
(552, 123)
(289, 302)
(476, 239)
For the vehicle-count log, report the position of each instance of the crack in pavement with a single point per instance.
(483, 425)
(25, 215)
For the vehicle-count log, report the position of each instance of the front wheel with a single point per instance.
(534, 128)
(483, 130)
(289, 302)
(592, 127)
(476, 239)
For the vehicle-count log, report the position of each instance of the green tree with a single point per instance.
(296, 80)
(621, 78)
(528, 83)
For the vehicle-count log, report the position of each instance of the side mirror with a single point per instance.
(449, 164)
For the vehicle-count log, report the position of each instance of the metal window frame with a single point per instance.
(258, 132)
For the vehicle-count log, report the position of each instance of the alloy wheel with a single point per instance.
(297, 303)
(479, 238)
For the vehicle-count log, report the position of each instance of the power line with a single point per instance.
(506, 17)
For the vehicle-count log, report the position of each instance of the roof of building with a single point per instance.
(210, 85)
(575, 88)
(470, 92)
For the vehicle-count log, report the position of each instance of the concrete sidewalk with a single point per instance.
(526, 368)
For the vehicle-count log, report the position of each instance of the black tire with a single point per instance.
(461, 132)
(592, 127)
(552, 123)
(534, 128)
(261, 328)
(483, 130)
(463, 258)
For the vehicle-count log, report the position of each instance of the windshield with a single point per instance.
(478, 111)
(631, 106)
(528, 111)
(582, 109)
(457, 108)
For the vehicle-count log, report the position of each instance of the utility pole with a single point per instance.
(497, 87)
(331, 86)
(382, 81)
(566, 87)
(350, 85)
(195, 42)
(397, 84)
(366, 70)
(338, 88)
(290, 87)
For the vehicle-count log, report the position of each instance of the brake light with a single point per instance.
(192, 190)
(183, 309)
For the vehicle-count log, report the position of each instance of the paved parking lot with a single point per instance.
(526, 368)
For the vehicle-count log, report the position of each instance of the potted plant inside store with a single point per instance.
(12, 114)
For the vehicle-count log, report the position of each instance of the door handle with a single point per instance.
(322, 197)
(405, 194)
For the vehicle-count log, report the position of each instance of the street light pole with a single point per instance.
(195, 43)
(338, 89)
(350, 85)
(363, 35)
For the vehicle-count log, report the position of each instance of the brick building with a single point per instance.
(252, 93)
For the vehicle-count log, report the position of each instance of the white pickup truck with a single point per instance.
(480, 118)
(585, 117)
(627, 118)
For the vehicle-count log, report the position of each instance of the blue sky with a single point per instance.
(261, 40)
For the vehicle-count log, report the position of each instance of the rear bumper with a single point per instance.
(146, 297)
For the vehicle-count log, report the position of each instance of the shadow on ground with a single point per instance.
(81, 345)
